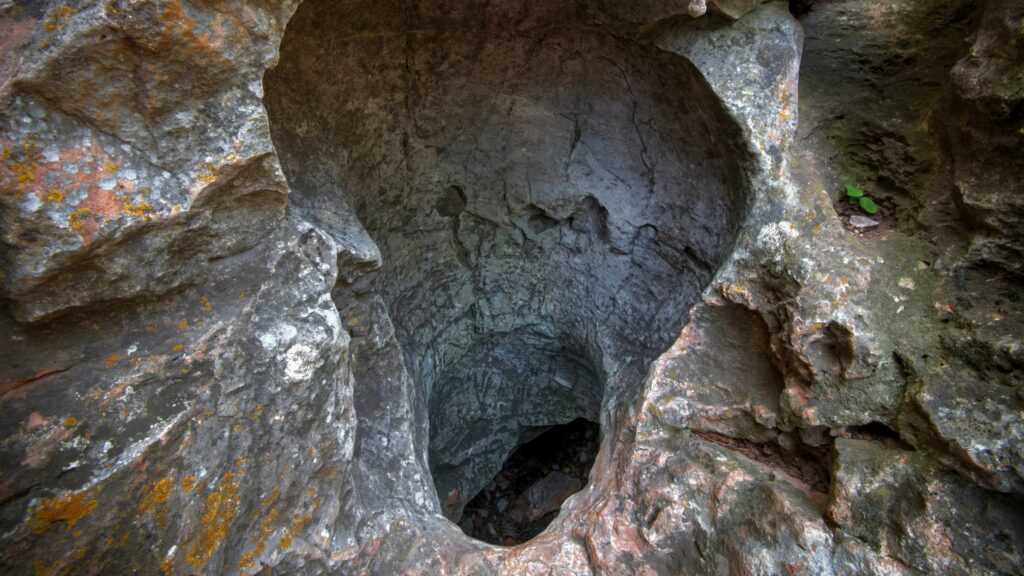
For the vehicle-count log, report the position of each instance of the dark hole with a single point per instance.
(526, 495)
(878, 432)
(800, 7)
(452, 202)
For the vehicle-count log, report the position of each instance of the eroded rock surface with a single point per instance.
(285, 283)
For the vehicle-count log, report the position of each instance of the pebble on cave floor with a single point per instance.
(527, 494)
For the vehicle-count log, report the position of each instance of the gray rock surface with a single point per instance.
(284, 283)
(547, 494)
(862, 222)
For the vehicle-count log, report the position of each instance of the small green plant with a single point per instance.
(855, 195)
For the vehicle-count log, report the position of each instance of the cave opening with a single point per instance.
(549, 198)
(527, 493)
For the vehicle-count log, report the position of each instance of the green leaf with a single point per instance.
(854, 191)
(868, 205)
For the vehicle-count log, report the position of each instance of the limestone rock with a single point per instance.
(108, 191)
(736, 9)
(934, 521)
(862, 222)
(283, 284)
(986, 134)
(547, 494)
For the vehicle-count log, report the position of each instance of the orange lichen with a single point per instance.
(178, 347)
(188, 484)
(112, 360)
(248, 559)
(166, 566)
(256, 412)
(111, 167)
(23, 170)
(183, 325)
(786, 113)
(22, 166)
(42, 569)
(272, 498)
(206, 304)
(180, 29)
(139, 209)
(103, 205)
(218, 513)
(70, 509)
(76, 220)
(69, 422)
(298, 523)
(207, 173)
(59, 19)
(157, 493)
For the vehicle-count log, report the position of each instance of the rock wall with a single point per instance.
(283, 284)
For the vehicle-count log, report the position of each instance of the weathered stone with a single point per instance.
(291, 323)
(862, 222)
(736, 9)
(547, 494)
(987, 135)
(108, 191)
(543, 265)
(905, 507)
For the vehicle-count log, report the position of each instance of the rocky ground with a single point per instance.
(527, 493)
(284, 285)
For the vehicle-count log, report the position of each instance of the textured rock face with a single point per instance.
(547, 199)
(284, 284)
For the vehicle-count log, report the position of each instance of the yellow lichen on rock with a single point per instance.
(76, 220)
(139, 209)
(157, 493)
(59, 19)
(69, 508)
(218, 513)
(248, 561)
(298, 523)
(207, 173)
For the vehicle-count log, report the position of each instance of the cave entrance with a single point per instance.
(527, 493)
(549, 197)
